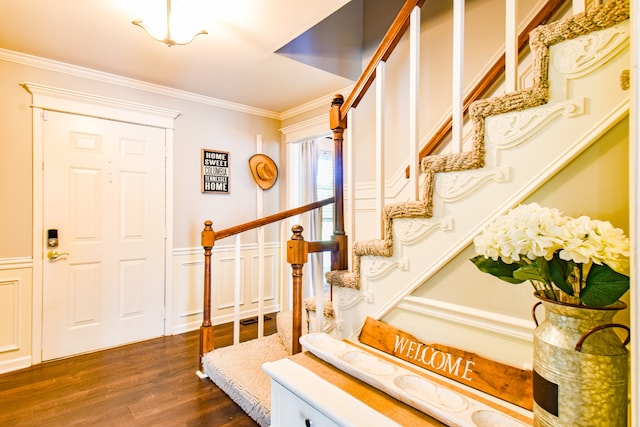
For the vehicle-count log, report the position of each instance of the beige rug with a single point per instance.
(237, 369)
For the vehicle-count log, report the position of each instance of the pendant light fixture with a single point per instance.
(176, 28)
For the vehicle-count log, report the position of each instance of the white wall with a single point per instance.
(200, 125)
(595, 184)
(484, 40)
(203, 123)
(188, 270)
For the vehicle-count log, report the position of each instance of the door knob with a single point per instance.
(54, 255)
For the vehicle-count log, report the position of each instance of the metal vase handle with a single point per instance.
(584, 336)
(600, 327)
(533, 313)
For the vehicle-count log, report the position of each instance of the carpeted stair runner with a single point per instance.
(237, 369)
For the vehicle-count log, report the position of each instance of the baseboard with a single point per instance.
(15, 364)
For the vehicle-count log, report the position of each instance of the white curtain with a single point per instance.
(311, 221)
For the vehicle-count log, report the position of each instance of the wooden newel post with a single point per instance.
(338, 123)
(297, 253)
(207, 238)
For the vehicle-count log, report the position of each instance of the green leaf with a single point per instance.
(559, 272)
(604, 286)
(499, 268)
(536, 270)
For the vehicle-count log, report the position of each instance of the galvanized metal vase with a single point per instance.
(580, 367)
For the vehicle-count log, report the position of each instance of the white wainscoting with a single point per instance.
(15, 313)
(188, 279)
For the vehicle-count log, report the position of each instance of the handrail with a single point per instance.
(227, 232)
(385, 48)
(208, 238)
(338, 116)
(492, 76)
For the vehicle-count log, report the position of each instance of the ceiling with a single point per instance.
(235, 62)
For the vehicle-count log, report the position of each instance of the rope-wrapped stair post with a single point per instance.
(207, 238)
(297, 253)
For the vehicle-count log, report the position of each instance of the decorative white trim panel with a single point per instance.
(13, 263)
(413, 230)
(346, 298)
(509, 130)
(585, 54)
(15, 314)
(379, 267)
(188, 277)
(496, 323)
(454, 186)
(11, 314)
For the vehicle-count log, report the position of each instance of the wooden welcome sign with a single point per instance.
(505, 382)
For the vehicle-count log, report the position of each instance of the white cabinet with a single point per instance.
(300, 398)
(287, 409)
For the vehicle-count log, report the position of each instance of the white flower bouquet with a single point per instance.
(571, 260)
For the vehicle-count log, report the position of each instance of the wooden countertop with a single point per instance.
(388, 406)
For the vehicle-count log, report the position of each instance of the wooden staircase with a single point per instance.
(508, 132)
(517, 143)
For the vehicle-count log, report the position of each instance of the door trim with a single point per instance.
(47, 98)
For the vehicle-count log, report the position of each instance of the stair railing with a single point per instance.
(340, 110)
(298, 251)
(208, 239)
(408, 18)
(492, 76)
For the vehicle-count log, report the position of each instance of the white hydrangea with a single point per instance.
(529, 230)
(531, 233)
(588, 240)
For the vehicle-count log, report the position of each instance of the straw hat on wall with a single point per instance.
(263, 170)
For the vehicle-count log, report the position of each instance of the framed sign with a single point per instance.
(214, 166)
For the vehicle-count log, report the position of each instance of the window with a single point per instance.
(311, 163)
(324, 190)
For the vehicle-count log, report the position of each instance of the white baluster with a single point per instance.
(318, 289)
(578, 6)
(236, 293)
(511, 46)
(260, 281)
(380, 86)
(260, 214)
(349, 170)
(414, 104)
(458, 73)
(284, 276)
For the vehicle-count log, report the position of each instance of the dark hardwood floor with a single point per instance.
(151, 383)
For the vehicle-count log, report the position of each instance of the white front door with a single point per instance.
(104, 193)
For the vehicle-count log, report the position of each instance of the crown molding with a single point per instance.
(307, 129)
(87, 73)
(68, 101)
(114, 79)
(323, 101)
